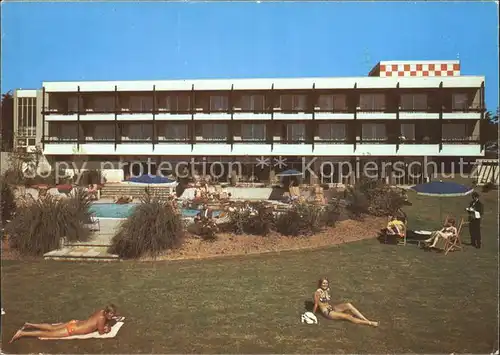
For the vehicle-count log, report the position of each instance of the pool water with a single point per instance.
(112, 210)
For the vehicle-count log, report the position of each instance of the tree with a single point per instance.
(491, 126)
(7, 122)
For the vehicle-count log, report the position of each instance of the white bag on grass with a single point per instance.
(309, 318)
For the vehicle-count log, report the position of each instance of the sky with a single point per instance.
(194, 40)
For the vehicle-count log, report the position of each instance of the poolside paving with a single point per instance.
(95, 249)
(95, 253)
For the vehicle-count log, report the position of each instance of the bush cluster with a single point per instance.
(258, 219)
(154, 226)
(369, 196)
(301, 219)
(40, 226)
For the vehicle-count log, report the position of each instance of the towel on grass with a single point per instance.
(95, 335)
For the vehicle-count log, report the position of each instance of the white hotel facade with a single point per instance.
(400, 111)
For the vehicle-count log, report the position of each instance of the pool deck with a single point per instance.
(93, 250)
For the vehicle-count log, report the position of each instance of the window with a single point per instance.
(100, 103)
(26, 116)
(408, 131)
(295, 132)
(252, 103)
(455, 132)
(372, 102)
(99, 131)
(73, 104)
(414, 102)
(63, 131)
(253, 131)
(373, 132)
(174, 103)
(459, 101)
(219, 103)
(139, 103)
(332, 103)
(214, 131)
(176, 131)
(138, 131)
(293, 102)
(332, 131)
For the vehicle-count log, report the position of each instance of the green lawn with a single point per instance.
(426, 302)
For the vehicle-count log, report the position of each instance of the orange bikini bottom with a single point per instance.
(71, 327)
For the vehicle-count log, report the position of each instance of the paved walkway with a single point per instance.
(81, 252)
(95, 249)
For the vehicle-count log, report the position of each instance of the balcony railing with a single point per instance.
(229, 140)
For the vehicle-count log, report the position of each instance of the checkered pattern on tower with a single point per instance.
(419, 70)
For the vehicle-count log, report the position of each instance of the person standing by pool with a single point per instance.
(475, 210)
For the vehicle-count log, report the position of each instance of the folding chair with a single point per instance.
(401, 237)
(455, 243)
(403, 234)
(95, 224)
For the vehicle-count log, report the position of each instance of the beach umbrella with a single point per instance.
(290, 172)
(442, 189)
(148, 179)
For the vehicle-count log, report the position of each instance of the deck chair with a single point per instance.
(455, 243)
(402, 236)
(95, 224)
(294, 192)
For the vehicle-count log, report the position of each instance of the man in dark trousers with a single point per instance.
(475, 210)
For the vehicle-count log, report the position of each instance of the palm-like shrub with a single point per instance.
(301, 219)
(154, 226)
(40, 226)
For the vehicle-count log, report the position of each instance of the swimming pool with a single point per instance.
(112, 210)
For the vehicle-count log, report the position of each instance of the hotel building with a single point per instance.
(400, 111)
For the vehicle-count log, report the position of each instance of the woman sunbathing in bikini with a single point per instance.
(99, 321)
(340, 311)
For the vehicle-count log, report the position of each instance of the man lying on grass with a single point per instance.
(99, 321)
(344, 311)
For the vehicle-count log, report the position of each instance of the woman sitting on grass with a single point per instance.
(449, 230)
(340, 311)
(99, 321)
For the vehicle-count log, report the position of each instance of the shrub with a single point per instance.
(263, 222)
(155, 225)
(7, 200)
(40, 225)
(207, 229)
(375, 198)
(239, 220)
(358, 203)
(332, 213)
(301, 219)
(258, 219)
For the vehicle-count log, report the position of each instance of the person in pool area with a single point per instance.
(343, 311)
(99, 321)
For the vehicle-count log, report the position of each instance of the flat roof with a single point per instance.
(365, 82)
